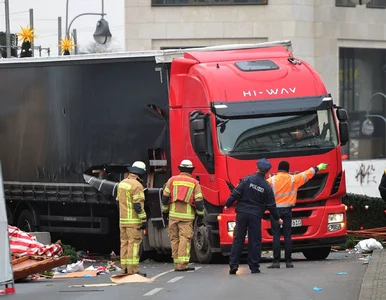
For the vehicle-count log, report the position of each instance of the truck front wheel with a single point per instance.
(317, 253)
(201, 244)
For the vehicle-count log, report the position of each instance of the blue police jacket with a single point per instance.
(254, 195)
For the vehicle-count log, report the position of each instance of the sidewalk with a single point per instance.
(374, 281)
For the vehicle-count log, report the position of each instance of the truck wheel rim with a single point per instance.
(202, 238)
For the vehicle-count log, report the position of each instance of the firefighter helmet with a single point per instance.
(186, 163)
(138, 168)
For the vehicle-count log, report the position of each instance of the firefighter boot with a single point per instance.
(233, 270)
(289, 264)
(142, 274)
(275, 265)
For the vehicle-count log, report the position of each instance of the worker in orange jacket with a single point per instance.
(132, 217)
(285, 187)
(182, 199)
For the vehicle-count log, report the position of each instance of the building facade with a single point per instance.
(345, 43)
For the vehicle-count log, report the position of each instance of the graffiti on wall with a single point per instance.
(365, 173)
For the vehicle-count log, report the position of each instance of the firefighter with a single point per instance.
(182, 199)
(285, 187)
(132, 217)
(382, 186)
(253, 195)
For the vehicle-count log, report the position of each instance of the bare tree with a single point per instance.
(94, 47)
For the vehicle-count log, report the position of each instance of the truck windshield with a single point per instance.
(277, 133)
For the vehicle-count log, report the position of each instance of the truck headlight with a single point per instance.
(231, 226)
(335, 218)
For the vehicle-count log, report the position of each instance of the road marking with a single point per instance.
(175, 279)
(161, 274)
(153, 291)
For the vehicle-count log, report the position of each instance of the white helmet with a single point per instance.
(186, 163)
(140, 165)
(138, 168)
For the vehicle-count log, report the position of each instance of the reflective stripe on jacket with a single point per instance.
(130, 192)
(182, 188)
(183, 191)
(285, 186)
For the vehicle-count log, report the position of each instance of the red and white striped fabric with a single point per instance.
(23, 243)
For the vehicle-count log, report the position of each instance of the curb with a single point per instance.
(374, 282)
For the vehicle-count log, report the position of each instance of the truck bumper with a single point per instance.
(297, 246)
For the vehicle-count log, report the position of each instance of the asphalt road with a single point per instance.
(214, 282)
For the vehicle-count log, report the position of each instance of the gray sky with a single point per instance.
(46, 13)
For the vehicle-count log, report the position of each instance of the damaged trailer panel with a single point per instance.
(70, 116)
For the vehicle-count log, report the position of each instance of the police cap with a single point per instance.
(264, 165)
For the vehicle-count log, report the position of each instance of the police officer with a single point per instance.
(285, 187)
(253, 195)
(132, 217)
(182, 199)
(382, 186)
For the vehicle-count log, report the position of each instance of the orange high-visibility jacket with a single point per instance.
(285, 186)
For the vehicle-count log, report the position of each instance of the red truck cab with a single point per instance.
(230, 108)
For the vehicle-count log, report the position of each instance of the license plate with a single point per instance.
(296, 223)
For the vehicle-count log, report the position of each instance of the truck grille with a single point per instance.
(313, 187)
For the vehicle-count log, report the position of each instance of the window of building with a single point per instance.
(206, 2)
(348, 3)
(376, 4)
(362, 73)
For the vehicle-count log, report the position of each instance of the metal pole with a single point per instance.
(67, 18)
(31, 24)
(7, 29)
(75, 41)
(68, 29)
(377, 116)
(59, 34)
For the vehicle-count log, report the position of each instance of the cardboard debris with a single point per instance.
(30, 265)
(81, 274)
(124, 278)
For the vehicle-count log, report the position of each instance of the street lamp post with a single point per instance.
(367, 126)
(102, 33)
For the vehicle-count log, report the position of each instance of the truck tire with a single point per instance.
(317, 253)
(26, 221)
(202, 248)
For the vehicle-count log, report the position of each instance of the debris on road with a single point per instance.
(92, 285)
(23, 244)
(341, 273)
(317, 289)
(368, 245)
(125, 278)
(31, 265)
(82, 274)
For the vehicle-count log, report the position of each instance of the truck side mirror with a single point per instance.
(342, 115)
(344, 133)
(200, 143)
(199, 133)
(198, 125)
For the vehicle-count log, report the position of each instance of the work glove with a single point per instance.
(322, 166)
(144, 225)
(165, 216)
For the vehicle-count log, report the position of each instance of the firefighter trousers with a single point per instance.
(131, 239)
(180, 234)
